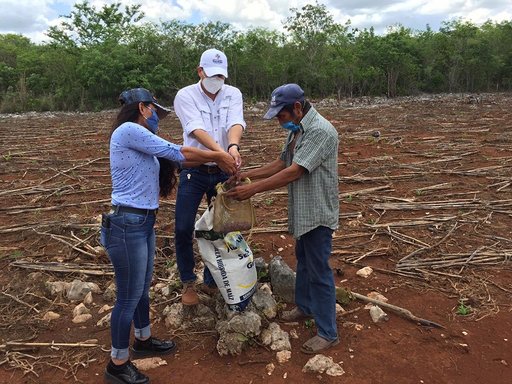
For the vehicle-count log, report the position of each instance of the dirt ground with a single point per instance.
(426, 201)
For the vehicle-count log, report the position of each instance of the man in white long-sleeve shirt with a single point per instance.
(211, 114)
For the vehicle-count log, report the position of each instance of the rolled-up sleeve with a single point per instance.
(135, 136)
(236, 110)
(188, 113)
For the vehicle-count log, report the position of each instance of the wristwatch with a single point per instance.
(234, 145)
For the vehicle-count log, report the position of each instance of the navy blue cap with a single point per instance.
(142, 95)
(284, 95)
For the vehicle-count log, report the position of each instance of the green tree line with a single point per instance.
(96, 53)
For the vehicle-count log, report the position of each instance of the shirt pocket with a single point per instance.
(224, 113)
(206, 116)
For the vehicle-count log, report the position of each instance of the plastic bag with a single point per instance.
(230, 261)
(230, 214)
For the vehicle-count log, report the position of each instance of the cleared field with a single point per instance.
(426, 201)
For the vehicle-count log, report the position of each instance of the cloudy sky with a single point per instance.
(33, 17)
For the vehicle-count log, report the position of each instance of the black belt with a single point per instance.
(137, 211)
(210, 169)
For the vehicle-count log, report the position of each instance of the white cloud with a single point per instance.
(33, 17)
(24, 17)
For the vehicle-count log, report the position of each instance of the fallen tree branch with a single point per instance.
(386, 187)
(56, 207)
(87, 269)
(52, 344)
(401, 311)
(421, 250)
(60, 239)
(241, 363)
(20, 301)
(71, 169)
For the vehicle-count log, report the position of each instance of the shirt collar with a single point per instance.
(308, 117)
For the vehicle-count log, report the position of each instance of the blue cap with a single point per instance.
(142, 95)
(284, 95)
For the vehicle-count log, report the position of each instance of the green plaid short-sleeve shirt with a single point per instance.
(313, 198)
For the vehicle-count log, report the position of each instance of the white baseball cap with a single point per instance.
(214, 62)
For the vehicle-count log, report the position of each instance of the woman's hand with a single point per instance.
(225, 162)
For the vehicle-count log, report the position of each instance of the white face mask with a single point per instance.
(213, 84)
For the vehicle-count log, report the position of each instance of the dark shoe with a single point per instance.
(295, 314)
(318, 344)
(189, 295)
(126, 373)
(152, 347)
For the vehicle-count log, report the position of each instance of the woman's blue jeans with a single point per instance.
(130, 244)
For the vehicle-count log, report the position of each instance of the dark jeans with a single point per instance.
(130, 244)
(194, 184)
(314, 288)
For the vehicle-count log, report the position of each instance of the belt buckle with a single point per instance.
(212, 169)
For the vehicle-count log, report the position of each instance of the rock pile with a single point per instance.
(254, 325)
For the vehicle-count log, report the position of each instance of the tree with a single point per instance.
(397, 59)
(369, 74)
(88, 26)
(95, 53)
(312, 29)
(260, 62)
(11, 48)
(341, 64)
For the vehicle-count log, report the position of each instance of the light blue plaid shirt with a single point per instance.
(313, 198)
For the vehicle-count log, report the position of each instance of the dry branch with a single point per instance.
(71, 169)
(429, 205)
(422, 250)
(341, 292)
(87, 269)
(20, 301)
(40, 209)
(365, 191)
(60, 239)
(52, 344)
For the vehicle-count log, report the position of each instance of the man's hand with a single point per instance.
(233, 151)
(237, 178)
(241, 192)
(226, 162)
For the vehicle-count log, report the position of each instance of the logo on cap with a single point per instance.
(273, 101)
(217, 59)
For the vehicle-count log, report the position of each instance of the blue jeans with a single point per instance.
(194, 184)
(315, 292)
(130, 244)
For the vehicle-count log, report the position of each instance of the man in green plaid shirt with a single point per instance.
(308, 165)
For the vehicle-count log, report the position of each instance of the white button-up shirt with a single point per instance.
(197, 111)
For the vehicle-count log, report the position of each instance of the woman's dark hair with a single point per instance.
(128, 112)
(167, 176)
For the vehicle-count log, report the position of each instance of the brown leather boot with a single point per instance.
(189, 294)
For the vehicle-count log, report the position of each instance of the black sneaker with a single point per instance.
(152, 346)
(126, 373)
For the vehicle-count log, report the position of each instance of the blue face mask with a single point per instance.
(291, 126)
(153, 122)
